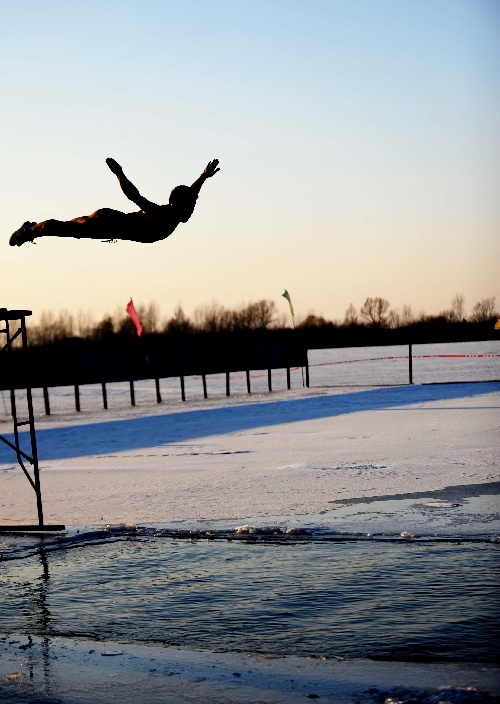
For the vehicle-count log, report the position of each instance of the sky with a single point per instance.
(358, 145)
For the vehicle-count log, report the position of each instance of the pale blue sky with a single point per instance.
(358, 141)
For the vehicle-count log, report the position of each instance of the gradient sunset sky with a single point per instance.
(358, 143)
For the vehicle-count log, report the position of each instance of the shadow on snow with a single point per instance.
(156, 430)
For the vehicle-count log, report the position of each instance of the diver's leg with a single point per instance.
(101, 224)
(29, 231)
(104, 224)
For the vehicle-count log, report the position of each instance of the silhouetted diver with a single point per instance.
(152, 223)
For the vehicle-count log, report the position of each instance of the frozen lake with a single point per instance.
(346, 520)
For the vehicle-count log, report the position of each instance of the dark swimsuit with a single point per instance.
(138, 226)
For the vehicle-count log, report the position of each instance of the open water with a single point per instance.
(393, 600)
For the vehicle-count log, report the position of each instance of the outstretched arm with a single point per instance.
(129, 189)
(210, 170)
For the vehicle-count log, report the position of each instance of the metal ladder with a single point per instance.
(9, 317)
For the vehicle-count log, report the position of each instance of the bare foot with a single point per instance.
(22, 235)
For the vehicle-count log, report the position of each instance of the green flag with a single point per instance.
(287, 296)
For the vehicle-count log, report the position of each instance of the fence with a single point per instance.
(403, 364)
(354, 366)
(78, 363)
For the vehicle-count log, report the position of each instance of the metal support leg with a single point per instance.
(12, 383)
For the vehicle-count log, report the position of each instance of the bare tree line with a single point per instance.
(211, 317)
(377, 312)
(214, 317)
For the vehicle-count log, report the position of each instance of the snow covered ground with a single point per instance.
(305, 457)
(283, 454)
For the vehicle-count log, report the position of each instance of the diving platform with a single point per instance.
(15, 343)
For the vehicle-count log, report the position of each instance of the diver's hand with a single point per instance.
(211, 168)
(114, 166)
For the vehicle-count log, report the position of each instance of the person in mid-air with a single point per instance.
(152, 223)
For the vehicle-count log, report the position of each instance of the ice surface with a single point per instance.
(280, 454)
(403, 459)
(75, 672)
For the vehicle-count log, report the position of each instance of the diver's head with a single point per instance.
(183, 199)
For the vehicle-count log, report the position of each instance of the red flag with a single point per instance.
(135, 318)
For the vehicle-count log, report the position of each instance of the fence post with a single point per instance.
(104, 395)
(228, 390)
(248, 380)
(132, 393)
(158, 394)
(46, 400)
(269, 380)
(410, 363)
(77, 397)
(288, 385)
(307, 371)
(183, 388)
(204, 382)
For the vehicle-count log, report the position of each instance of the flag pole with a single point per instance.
(286, 295)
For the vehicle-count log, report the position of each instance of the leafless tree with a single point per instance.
(458, 307)
(214, 317)
(312, 321)
(400, 318)
(457, 311)
(210, 317)
(255, 316)
(105, 328)
(45, 329)
(394, 319)
(52, 328)
(149, 316)
(179, 322)
(121, 321)
(64, 325)
(484, 310)
(280, 321)
(407, 315)
(351, 315)
(84, 324)
(374, 311)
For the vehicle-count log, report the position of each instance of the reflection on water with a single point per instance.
(398, 601)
